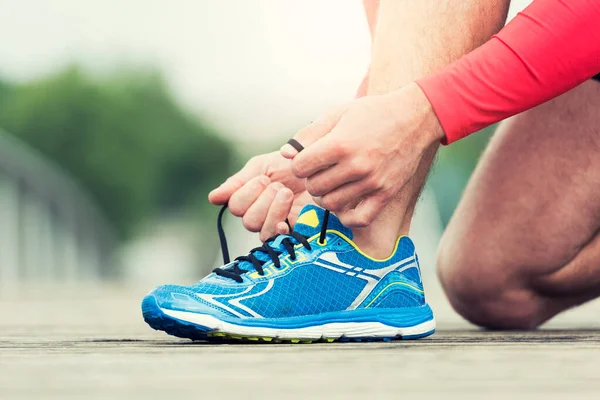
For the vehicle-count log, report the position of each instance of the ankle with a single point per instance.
(379, 239)
(376, 246)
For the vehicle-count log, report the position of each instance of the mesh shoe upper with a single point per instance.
(334, 276)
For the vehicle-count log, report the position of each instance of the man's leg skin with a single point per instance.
(523, 244)
(413, 39)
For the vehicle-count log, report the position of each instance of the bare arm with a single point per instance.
(370, 156)
(543, 52)
(416, 38)
(371, 11)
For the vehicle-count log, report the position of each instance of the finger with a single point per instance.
(349, 206)
(324, 153)
(282, 228)
(345, 197)
(364, 214)
(222, 194)
(278, 212)
(255, 216)
(244, 197)
(323, 182)
(313, 132)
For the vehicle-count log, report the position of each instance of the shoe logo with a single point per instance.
(331, 261)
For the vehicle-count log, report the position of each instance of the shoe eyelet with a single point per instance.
(322, 244)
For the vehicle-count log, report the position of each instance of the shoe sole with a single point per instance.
(196, 326)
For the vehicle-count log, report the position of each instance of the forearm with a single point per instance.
(415, 38)
(371, 10)
(412, 40)
(545, 51)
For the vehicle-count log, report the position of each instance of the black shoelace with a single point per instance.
(235, 272)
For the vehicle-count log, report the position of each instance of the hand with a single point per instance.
(264, 193)
(357, 165)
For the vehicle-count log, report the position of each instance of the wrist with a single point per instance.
(432, 127)
(413, 109)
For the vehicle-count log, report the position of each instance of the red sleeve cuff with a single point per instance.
(465, 95)
(440, 97)
(548, 49)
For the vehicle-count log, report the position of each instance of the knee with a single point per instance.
(483, 292)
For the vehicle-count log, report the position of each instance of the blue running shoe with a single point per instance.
(312, 284)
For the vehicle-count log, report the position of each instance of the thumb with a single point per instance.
(222, 194)
(313, 132)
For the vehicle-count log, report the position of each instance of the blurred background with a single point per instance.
(118, 117)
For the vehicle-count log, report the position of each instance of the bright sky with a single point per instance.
(258, 68)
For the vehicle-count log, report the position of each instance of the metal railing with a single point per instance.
(50, 229)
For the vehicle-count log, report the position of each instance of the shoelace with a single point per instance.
(235, 272)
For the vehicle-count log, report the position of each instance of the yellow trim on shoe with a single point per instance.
(346, 238)
(309, 218)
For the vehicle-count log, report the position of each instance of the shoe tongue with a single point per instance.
(311, 218)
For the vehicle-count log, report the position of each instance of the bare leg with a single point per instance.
(413, 39)
(523, 244)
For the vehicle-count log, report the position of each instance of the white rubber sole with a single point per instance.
(327, 330)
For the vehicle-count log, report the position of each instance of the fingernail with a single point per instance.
(278, 185)
(281, 227)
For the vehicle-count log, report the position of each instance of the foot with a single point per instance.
(301, 288)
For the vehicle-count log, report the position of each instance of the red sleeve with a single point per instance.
(548, 49)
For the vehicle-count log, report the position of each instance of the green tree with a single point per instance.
(123, 137)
